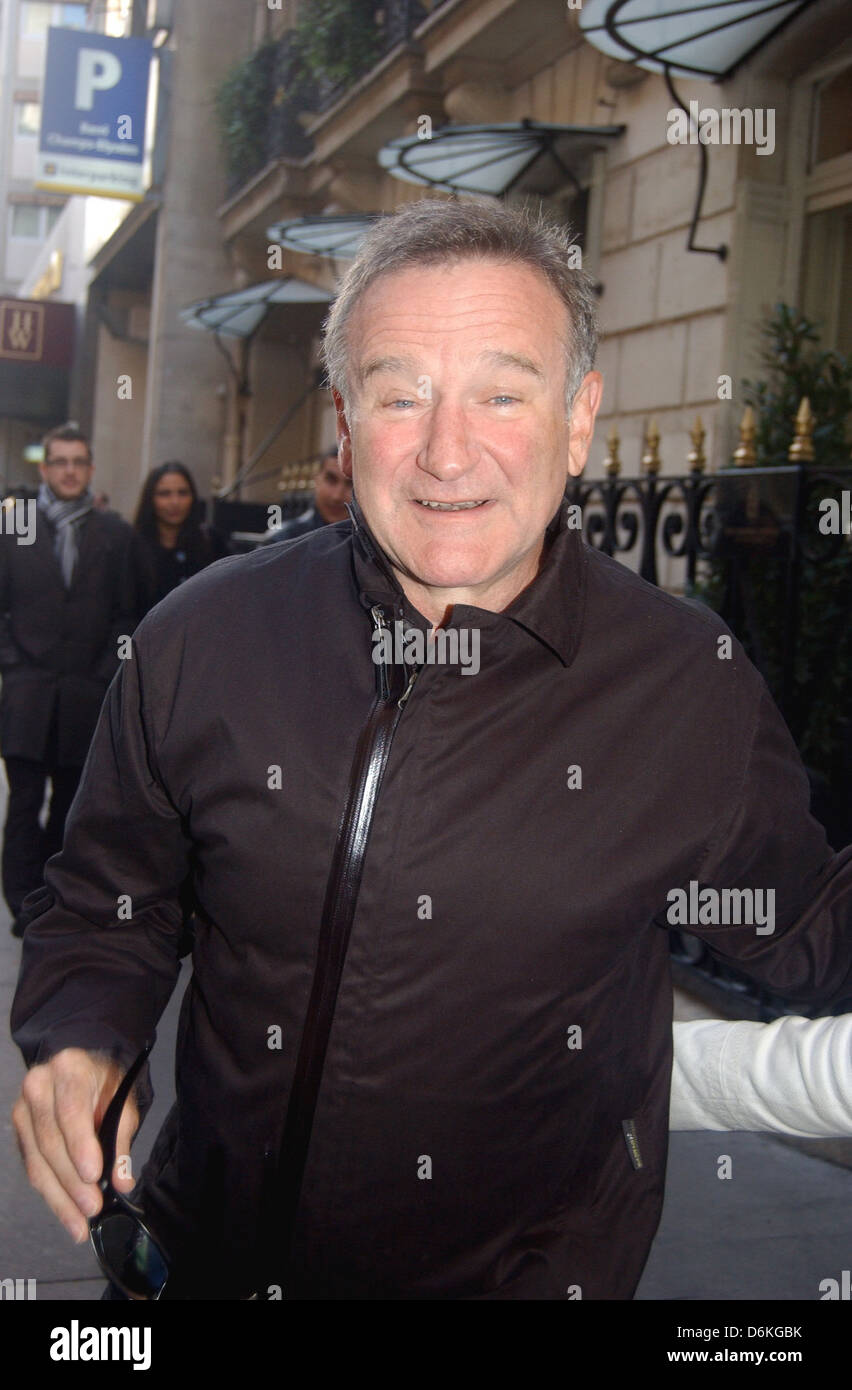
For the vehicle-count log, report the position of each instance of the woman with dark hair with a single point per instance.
(170, 542)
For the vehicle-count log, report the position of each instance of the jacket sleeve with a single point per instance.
(100, 948)
(10, 654)
(767, 840)
(793, 1076)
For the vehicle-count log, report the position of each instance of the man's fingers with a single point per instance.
(44, 1180)
(47, 1140)
(55, 1118)
(123, 1177)
(75, 1096)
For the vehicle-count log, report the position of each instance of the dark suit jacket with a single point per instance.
(58, 647)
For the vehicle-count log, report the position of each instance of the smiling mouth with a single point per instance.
(451, 506)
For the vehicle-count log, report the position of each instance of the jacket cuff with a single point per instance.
(102, 1044)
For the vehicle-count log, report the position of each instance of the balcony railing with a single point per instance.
(262, 103)
(258, 107)
(366, 32)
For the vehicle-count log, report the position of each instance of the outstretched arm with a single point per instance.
(792, 1076)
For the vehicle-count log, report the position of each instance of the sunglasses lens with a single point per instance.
(131, 1255)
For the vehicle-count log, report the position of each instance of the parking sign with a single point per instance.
(93, 114)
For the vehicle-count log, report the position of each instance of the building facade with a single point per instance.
(269, 111)
(680, 327)
(46, 238)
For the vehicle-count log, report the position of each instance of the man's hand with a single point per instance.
(56, 1117)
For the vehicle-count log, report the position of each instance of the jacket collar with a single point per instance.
(550, 608)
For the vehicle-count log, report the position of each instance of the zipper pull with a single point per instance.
(407, 691)
(379, 625)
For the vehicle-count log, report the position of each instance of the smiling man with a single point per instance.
(427, 1044)
(460, 406)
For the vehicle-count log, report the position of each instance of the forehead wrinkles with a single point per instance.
(378, 332)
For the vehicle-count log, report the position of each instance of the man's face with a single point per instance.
(67, 469)
(458, 396)
(332, 491)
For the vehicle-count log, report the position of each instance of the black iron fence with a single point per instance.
(737, 514)
(771, 547)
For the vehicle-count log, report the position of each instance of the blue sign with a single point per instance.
(94, 113)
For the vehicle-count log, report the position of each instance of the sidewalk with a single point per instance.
(780, 1225)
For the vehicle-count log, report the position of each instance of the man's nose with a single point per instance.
(448, 449)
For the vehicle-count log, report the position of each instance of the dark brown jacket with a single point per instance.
(461, 1148)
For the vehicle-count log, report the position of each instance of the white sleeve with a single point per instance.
(792, 1076)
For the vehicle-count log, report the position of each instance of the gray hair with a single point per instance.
(438, 232)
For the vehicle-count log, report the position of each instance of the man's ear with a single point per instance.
(582, 427)
(344, 438)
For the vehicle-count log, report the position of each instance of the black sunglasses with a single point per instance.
(130, 1256)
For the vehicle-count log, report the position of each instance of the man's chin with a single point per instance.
(450, 577)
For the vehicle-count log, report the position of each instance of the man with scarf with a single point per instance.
(63, 608)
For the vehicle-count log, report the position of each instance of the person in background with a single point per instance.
(331, 493)
(64, 604)
(170, 543)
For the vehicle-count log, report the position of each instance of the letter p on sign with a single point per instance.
(97, 71)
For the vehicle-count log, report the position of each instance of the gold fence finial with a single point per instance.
(651, 456)
(745, 454)
(696, 457)
(612, 463)
(802, 448)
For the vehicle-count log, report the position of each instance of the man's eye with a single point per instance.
(403, 400)
(505, 400)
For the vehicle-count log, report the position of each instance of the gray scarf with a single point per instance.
(66, 518)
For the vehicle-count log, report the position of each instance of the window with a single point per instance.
(827, 275)
(834, 128)
(36, 19)
(73, 16)
(27, 117)
(26, 221)
(34, 221)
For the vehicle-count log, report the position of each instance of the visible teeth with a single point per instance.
(449, 506)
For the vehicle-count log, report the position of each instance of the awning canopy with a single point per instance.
(126, 259)
(239, 313)
(492, 159)
(703, 38)
(336, 235)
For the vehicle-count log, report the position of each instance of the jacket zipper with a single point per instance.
(341, 899)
